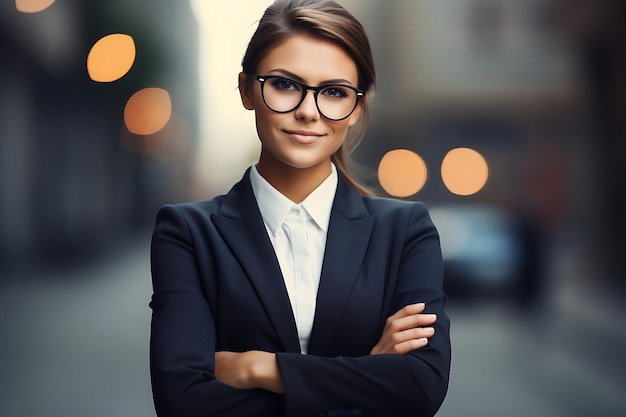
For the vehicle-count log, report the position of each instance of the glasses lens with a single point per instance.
(336, 101)
(281, 94)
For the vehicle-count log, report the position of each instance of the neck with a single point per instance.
(294, 183)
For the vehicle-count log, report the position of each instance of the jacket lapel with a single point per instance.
(241, 226)
(348, 238)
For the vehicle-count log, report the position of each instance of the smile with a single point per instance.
(304, 137)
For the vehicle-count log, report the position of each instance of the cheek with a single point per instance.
(266, 122)
(356, 115)
(341, 130)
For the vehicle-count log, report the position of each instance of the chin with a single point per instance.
(304, 163)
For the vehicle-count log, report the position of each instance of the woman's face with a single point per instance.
(302, 138)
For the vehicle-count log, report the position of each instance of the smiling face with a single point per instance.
(301, 139)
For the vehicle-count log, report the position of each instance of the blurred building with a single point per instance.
(535, 87)
(72, 178)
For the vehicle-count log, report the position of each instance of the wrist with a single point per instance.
(265, 374)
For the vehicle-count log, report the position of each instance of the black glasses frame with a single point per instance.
(305, 88)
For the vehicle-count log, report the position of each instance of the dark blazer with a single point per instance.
(218, 286)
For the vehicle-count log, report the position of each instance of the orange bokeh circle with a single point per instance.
(464, 171)
(402, 173)
(148, 111)
(32, 6)
(111, 57)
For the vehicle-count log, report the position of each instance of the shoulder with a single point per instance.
(387, 204)
(194, 208)
(190, 214)
(384, 206)
(387, 212)
(411, 216)
(238, 202)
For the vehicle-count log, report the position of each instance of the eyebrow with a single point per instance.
(295, 77)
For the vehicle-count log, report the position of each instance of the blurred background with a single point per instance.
(506, 117)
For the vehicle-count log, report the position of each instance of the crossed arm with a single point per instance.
(406, 330)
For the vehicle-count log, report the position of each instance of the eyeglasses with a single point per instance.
(334, 101)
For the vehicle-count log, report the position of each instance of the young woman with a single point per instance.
(296, 294)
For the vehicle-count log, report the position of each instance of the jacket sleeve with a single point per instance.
(413, 384)
(183, 335)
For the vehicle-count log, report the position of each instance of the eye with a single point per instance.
(336, 91)
(285, 84)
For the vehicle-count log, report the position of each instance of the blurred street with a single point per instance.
(76, 344)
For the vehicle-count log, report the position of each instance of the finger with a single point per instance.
(409, 322)
(409, 310)
(412, 334)
(406, 311)
(409, 346)
(389, 344)
(426, 319)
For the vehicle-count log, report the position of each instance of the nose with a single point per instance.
(307, 110)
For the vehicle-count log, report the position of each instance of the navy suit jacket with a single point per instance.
(218, 286)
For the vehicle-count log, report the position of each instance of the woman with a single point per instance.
(296, 294)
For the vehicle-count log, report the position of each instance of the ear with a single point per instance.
(354, 117)
(245, 91)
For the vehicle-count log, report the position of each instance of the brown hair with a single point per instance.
(327, 20)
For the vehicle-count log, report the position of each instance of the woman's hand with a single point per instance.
(405, 331)
(249, 370)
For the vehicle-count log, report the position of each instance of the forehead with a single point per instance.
(314, 60)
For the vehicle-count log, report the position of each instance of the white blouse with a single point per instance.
(298, 235)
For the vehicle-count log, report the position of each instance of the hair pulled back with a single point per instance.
(327, 20)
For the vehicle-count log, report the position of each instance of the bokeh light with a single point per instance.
(148, 111)
(171, 143)
(111, 57)
(32, 6)
(464, 171)
(402, 173)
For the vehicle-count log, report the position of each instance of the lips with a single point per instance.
(304, 137)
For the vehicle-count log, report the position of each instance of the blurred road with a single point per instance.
(74, 343)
